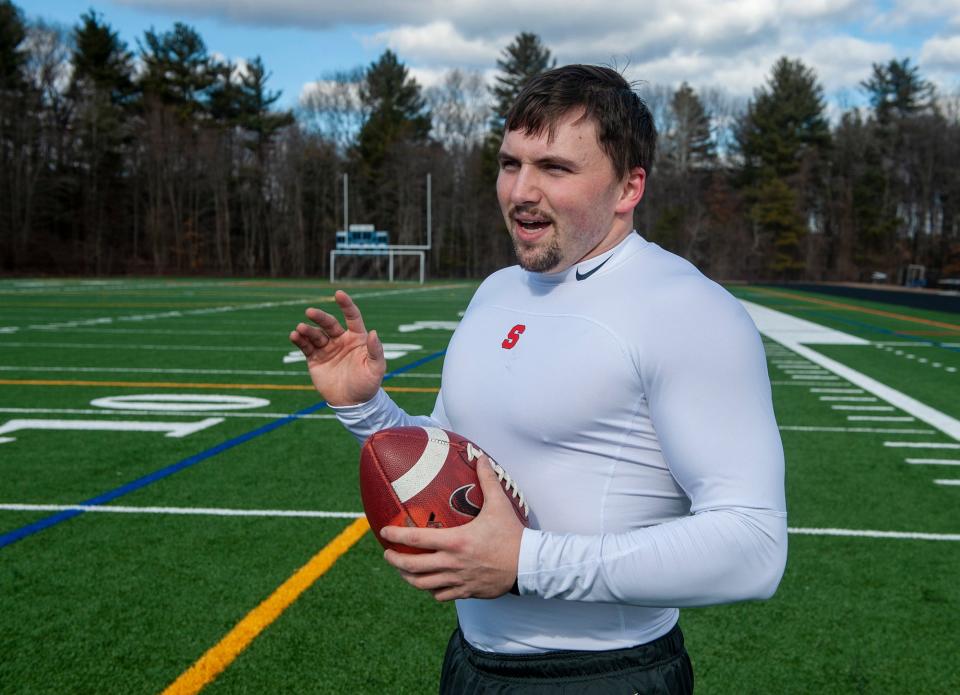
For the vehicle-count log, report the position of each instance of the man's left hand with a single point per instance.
(476, 560)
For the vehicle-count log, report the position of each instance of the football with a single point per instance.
(426, 477)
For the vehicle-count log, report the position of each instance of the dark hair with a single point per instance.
(625, 125)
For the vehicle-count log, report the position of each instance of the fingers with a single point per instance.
(421, 563)
(327, 323)
(490, 485)
(351, 314)
(420, 538)
(374, 346)
(308, 338)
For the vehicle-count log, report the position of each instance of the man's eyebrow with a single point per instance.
(547, 161)
(552, 160)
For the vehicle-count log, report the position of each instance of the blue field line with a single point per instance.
(54, 519)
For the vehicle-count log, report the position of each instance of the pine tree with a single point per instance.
(398, 111)
(101, 87)
(689, 143)
(525, 58)
(897, 91)
(781, 138)
(522, 60)
(13, 55)
(177, 69)
(785, 122)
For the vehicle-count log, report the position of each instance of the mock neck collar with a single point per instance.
(592, 267)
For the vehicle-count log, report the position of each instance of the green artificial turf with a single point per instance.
(110, 602)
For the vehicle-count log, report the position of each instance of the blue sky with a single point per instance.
(729, 44)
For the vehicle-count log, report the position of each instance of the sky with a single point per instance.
(727, 44)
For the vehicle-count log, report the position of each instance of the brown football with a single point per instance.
(426, 477)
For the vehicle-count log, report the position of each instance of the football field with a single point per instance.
(179, 511)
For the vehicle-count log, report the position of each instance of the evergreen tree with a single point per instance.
(785, 122)
(177, 69)
(397, 111)
(781, 139)
(101, 87)
(101, 61)
(522, 60)
(525, 58)
(13, 57)
(897, 91)
(689, 143)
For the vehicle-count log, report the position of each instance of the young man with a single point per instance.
(625, 393)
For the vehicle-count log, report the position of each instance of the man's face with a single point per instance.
(560, 197)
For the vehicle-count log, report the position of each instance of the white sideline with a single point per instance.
(792, 333)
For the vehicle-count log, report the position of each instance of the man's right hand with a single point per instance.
(346, 365)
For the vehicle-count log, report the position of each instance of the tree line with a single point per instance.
(164, 159)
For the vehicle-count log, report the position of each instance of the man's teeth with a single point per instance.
(533, 224)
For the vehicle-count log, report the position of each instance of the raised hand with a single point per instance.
(346, 364)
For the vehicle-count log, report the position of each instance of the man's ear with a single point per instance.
(631, 190)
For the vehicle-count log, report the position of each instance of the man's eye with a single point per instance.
(508, 164)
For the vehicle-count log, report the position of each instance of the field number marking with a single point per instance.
(170, 429)
(178, 402)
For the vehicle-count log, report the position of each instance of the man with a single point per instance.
(626, 395)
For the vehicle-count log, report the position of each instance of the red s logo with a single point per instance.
(513, 336)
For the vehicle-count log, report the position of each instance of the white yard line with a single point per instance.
(819, 390)
(795, 334)
(921, 445)
(850, 399)
(934, 462)
(859, 430)
(815, 378)
(875, 408)
(905, 535)
(185, 413)
(881, 418)
(197, 511)
(304, 301)
(299, 373)
(947, 482)
(293, 513)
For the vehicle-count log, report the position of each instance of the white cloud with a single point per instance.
(438, 42)
(728, 43)
(941, 52)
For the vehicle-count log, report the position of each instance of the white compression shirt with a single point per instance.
(632, 407)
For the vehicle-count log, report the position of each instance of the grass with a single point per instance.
(111, 602)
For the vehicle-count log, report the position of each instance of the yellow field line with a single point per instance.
(192, 385)
(853, 307)
(220, 656)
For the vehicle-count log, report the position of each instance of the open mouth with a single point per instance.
(531, 221)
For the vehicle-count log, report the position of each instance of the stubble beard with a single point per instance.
(538, 260)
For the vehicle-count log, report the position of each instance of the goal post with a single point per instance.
(389, 252)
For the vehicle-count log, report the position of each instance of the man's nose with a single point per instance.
(526, 186)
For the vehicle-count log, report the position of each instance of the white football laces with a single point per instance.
(508, 483)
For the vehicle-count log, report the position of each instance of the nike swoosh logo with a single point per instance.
(584, 276)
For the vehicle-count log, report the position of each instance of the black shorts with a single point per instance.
(661, 667)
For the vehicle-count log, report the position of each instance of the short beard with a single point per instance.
(542, 260)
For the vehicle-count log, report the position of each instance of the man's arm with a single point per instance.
(709, 397)
(707, 387)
